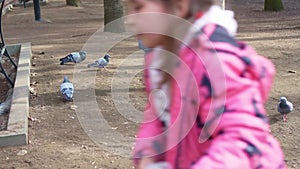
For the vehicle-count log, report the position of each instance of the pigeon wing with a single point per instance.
(285, 108)
(279, 109)
(76, 57)
(102, 62)
(66, 86)
(290, 105)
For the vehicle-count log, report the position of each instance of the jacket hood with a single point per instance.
(215, 15)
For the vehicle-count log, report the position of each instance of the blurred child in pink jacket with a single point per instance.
(206, 91)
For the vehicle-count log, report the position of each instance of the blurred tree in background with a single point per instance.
(113, 11)
(273, 5)
(73, 2)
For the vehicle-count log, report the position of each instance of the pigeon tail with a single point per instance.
(93, 65)
(68, 97)
(68, 94)
(66, 59)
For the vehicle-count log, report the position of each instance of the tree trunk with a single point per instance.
(73, 2)
(273, 5)
(113, 13)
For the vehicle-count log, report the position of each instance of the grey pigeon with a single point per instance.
(67, 89)
(100, 63)
(284, 107)
(5, 106)
(75, 57)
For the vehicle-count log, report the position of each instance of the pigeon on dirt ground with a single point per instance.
(67, 89)
(100, 63)
(284, 107)
(5, 106)
(75, 57)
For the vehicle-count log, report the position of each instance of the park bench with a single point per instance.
(4, 52)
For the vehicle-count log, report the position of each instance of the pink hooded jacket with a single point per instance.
(217, 114)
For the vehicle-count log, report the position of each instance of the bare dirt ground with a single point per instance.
(56, 137)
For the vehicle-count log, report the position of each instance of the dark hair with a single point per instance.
(200, 5)
(196, 6)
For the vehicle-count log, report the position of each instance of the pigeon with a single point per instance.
(100, 63)
(75, 57)
(5, 106)
(67, 89)
(284, 107)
